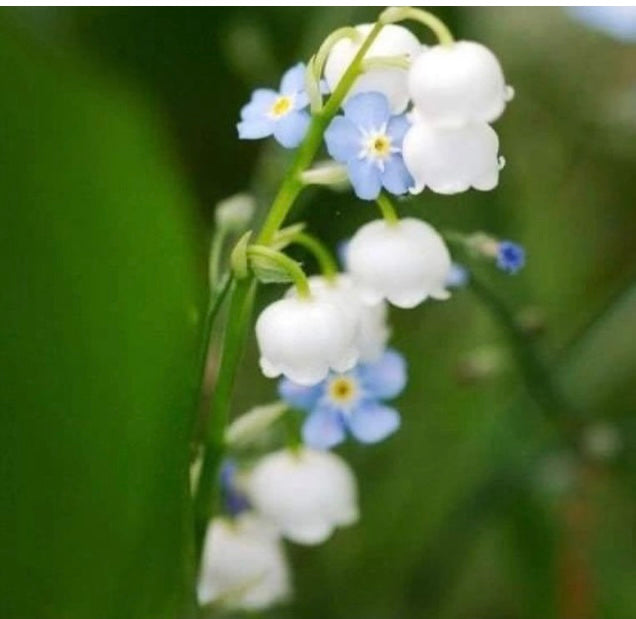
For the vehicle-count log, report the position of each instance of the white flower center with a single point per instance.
(377, 146)
(342, 390)
(281, 106)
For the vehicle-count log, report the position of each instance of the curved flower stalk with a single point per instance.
(391, 126)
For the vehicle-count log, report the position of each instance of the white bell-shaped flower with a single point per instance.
(304, 338)
(305, 493)
(392, 82)
(451, 85)
(243, 566)
(452, 160)
(405, 262)
(372, 330)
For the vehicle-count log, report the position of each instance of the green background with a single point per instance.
(118, 136)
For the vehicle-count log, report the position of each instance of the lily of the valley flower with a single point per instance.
(305, 493)
(372, 331)
(243, 565)
(304, 338)
(368, 139)
(452, 85)
(452, 160)
(351, 402)
(392, 82)
(281, 114)
(404, 263)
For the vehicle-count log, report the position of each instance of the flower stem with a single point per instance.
(402, 13)
(292, 184)
(538, 379)
(327, 263)
(387, 209)
(240, 311)
(291, 267)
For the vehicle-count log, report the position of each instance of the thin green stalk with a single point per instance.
(240, 311)
(292, 184)
(387, 209)
(215, 255)
(327, 263)
(537, 376)
(401, 13)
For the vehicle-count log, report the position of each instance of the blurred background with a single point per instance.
(118, 133)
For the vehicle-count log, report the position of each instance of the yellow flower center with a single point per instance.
(342, 389)
(281, 106)
(381, 146)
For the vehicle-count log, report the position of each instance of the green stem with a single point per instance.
(537, 376)
(216, 248)
(327, 263)
(291, 267)
(292, 184)
(387, 209)
(240, 311)
(402, 13)
(386, 62)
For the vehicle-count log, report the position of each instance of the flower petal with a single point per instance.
(395, 177)
(342, 139)
(300, 396)
(260, 103)
(293, 80)
(385, 378)
(368, 110)
(372, 422)
(397, 128)
(365, 178)
(323, 428)
(255, 129)
(290, 130)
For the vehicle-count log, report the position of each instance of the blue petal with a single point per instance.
(260, 103)
(291, 128)
(301, 101)
(385, 378)
(397, 128)
(372, 422)
(323, 428)
(293, 80)
(299, 396)
(365, 178)
(616, 21)
(395, 177)
(368, 110)
(342, 139)
(255, 129)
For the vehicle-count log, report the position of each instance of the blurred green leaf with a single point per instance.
(100, 318)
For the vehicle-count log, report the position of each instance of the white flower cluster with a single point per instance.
(415, 117)
(301, 495)
(455, 89)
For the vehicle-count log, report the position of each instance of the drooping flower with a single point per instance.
(404, 263)
(243, 565)
(393, 40)
(368, 139)
(305, 338)
(452, 160)
(452, 85)
(350, 402)
(281, 114)
(305, 493)
(372, 331)
(511, 257)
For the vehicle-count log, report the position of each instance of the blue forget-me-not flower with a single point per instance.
(350, 402)
(368, 139)
(511, 257)
(281, 114)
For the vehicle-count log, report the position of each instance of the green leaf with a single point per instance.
(100, 312)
